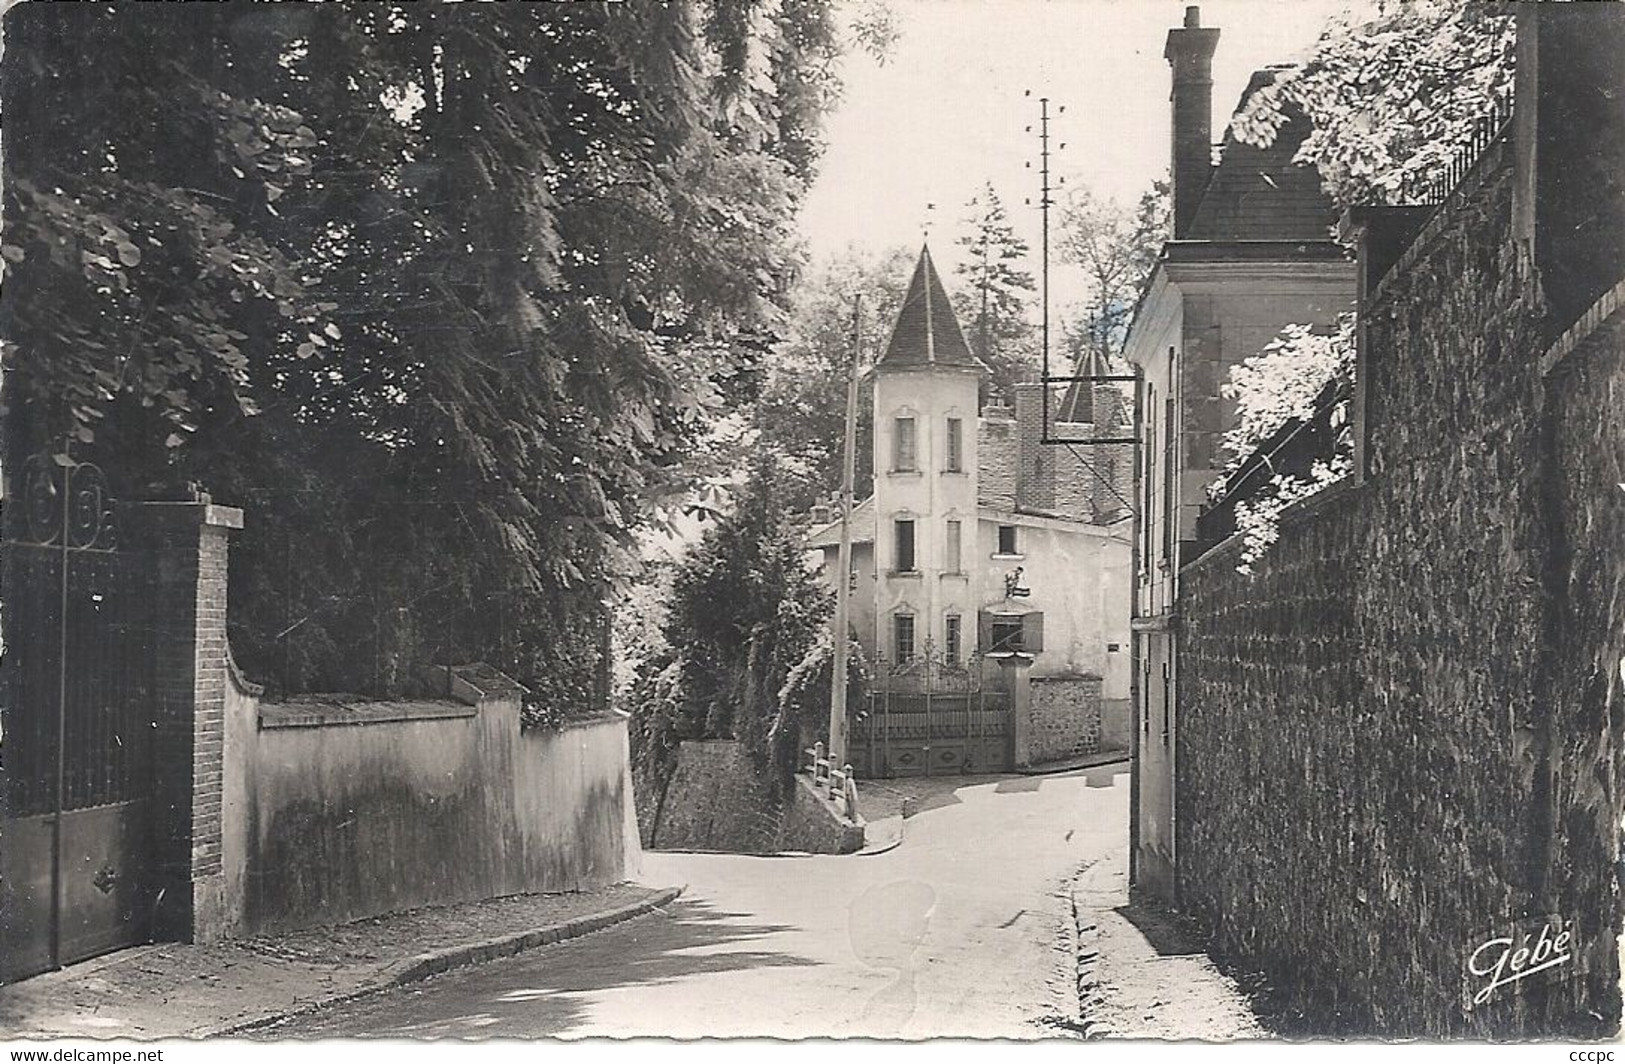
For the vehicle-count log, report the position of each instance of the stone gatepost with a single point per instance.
(1019, 682)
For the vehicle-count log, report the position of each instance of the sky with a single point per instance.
(947, 112)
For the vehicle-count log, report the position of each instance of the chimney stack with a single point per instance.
(1190, 53)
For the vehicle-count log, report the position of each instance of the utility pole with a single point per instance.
(843, 575)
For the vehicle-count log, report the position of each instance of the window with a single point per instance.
(904, 558)
(903, 637)
(956, 446)
(1146, 516)
(904, 451)
(1167, 701)
(950, 639)
(1007, 539)
(950, 561)
(1006, 635)
(1170, 478)
(1145, 697)
(1010, 632)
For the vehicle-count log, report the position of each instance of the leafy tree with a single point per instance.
(446, 296)
(744, 612)
(1391, 98)
(1117, 251)
(995, 295)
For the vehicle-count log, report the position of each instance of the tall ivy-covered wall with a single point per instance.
(1403, 732)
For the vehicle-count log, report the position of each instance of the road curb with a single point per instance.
(1100, 760)
(437, 961)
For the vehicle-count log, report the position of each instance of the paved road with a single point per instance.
(957, 932)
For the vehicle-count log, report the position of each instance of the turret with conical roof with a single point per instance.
(927, 332)
(925, 418)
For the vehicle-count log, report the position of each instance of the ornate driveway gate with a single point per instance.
(931, 717)
(76, 865)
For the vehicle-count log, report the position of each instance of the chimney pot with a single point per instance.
(1190, 56)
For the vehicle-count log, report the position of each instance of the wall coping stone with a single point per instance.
(329, 714)
(1296, 513)
(1600, 313)
(473, 683)
(202, 514)
(243, 684)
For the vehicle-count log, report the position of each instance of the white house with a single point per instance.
(980, 537)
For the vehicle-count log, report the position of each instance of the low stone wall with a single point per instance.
(811, 824)
(340, 811)
(1066, 719)
(719, 799)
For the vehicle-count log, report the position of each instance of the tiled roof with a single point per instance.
(1260, 193)
(926, 330)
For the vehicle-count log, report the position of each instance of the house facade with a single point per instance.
(980, 538)
(1252, 252)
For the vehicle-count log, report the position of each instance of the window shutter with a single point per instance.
(1032, 632)
(984, 631)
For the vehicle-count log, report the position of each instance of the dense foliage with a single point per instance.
(1273, 389)
(444, 296)
(743, 613)
(1391, 97)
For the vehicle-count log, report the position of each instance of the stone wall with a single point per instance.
(719, 799)
(1403, 733)
(1065, 715)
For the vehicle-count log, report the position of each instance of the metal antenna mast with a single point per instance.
(1043, 261)
(1044, 204)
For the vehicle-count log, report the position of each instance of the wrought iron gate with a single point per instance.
(932, 716)
(77, 864)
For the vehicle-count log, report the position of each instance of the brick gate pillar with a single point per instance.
(185, 547)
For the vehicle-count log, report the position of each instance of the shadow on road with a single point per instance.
(1162, 930)
(545, 992)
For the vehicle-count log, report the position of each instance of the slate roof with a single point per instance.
(1260, 193)
(927, 332)
(863, 528)
(1080, 400)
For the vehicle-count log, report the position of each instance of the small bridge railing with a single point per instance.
(837, 784)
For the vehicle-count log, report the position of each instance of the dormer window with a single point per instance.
(905, 448)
